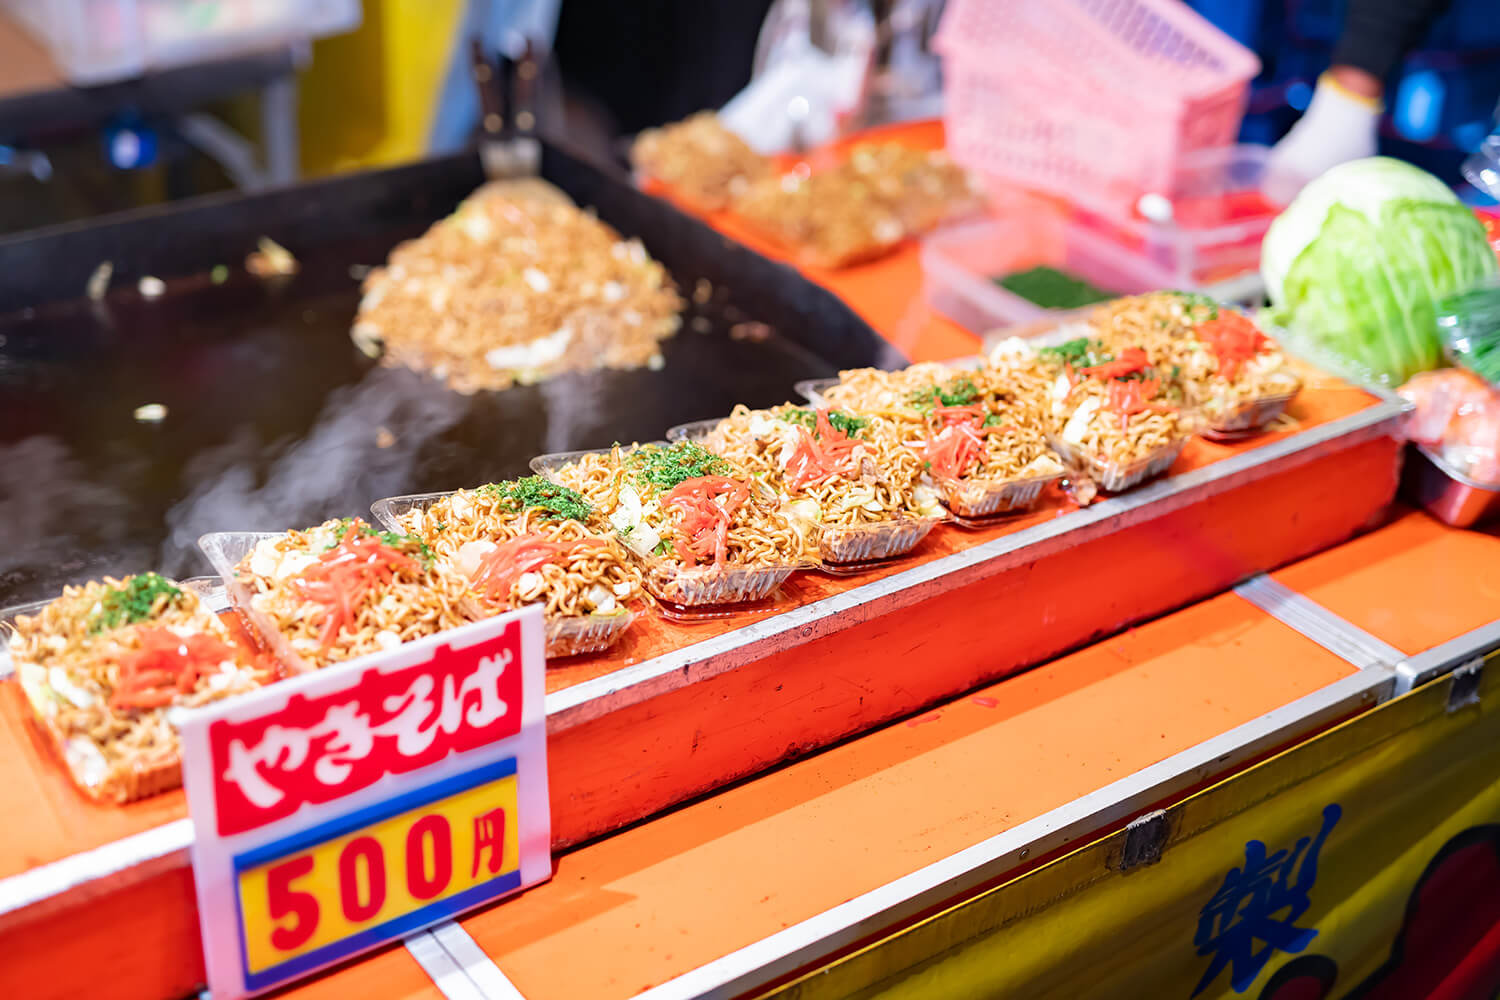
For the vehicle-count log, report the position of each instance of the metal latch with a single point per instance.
(1463, 689)
(1145, 839)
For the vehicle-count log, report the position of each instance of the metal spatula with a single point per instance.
(508, 146)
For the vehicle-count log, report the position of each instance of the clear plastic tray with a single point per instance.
(547, 465)
(976, 500)
(812, 389)
(139, 781)
(840, 548)
(960, 265)
(567, 635)
(1114, 477)
(690, 593)
(225, 549)
(695, 430)
(706, 592)
(856, 547)
(576, 635)
(1249, 417)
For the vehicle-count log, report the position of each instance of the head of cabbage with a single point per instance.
(1355, 264)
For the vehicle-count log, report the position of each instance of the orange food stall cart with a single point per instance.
(865, 791)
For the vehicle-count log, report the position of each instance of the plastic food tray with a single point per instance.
(567, 635)
(1248, 417)
(812, 389)
(1113, 477)
(689, 592)
(225, 549)
(1447, 494)
(857, 546)
(980, 499)
(848, 548)
(142, 780)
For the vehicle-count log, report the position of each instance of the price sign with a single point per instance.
(339, 810)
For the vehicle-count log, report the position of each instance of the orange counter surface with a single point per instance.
(661, 898)
(1414, 583)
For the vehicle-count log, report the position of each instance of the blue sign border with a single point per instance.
(397, 927)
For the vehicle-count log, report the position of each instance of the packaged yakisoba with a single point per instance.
(982, 444)
(530, 541)
(847, 477)
(1116, 418)
(1234, 376)
(104, 666)
(706, 533)
(340, 590)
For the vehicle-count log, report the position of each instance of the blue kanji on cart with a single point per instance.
(1254, 914)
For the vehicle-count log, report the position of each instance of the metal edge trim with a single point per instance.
(582, 702)
(1446, 656)
(1317, 623)
(480, 968)
(23, 895)
(445, 972)
(801, 944)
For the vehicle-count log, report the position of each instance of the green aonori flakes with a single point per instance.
(664, 468)
(132, 602)
(536, 493)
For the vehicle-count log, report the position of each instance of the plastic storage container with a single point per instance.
(1221, 203)
(101, 41)
(960, 265)
(1095, 100)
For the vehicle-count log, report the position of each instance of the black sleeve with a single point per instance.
(1379, 33)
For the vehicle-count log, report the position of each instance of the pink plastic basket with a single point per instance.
(1094, 100)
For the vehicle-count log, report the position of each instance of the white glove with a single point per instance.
(800, 93)
(1337, 127)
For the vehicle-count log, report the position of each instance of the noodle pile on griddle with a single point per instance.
(517, 289)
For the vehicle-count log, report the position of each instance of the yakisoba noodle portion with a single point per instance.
(104, 664)
(529, 541)
(962, 424)
(881, 392)
(700, 159)
(835, 468)
(1218, 355)
(343, 589)
(517, 289)
(681, 505)
(1112, 404)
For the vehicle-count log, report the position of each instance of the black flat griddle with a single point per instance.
(274, 419)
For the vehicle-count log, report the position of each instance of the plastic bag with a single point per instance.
(1458, 416)
(1469, 323)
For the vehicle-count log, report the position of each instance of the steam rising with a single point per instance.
(46, 502)
(336, 470)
